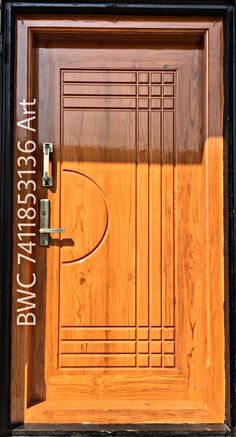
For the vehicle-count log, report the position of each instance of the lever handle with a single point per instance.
(46, 179)
(51, 230)
(45, 230)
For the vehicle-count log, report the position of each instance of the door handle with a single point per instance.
(45, 230)
(46, 179)
(51, 230)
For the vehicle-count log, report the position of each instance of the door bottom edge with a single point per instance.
(70, 429)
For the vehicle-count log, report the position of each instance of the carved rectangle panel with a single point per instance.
(99, 76)
(102, 102)
(117, 299)
(103, 89)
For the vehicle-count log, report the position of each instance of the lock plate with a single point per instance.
(44, 221)
(45, 230)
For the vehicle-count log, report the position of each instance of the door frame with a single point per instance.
(224, 8)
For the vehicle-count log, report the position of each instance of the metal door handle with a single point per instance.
(46, 179)
(44, 223)
(51, 230)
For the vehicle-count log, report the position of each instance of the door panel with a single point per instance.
(109, 146)
(130, 320)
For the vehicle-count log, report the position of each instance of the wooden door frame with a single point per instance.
(224, 8)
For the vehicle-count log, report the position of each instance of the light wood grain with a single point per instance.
(130, 298)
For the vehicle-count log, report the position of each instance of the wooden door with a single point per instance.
(130, 297)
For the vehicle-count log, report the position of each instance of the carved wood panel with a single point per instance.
(117, 298)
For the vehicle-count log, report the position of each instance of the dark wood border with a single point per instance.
(225, 8)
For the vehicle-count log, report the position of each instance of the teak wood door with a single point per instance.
(130, 297)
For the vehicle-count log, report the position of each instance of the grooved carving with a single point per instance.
(79, 224)
(149, 341)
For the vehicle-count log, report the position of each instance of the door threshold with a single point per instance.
(119, 429)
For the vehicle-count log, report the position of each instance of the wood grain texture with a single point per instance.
(132, 293)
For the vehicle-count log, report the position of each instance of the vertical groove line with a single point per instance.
(161, 216)
(60, 210)
(161, 202)
(136, 218)
(206, 118)
(148, 212)
(175, 207)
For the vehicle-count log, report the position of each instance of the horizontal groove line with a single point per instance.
(112, 70)
(100, 340)
(106, 83)
(98, 108)
(115, 340)
(118, 96)
(88, 340)
(115, 96)
(114, 354)
(100, 97)
(163, 369)
(102, 367)
(109, 96)
(116, 327)
(119, 83)
(98, 327)
(97, 354)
